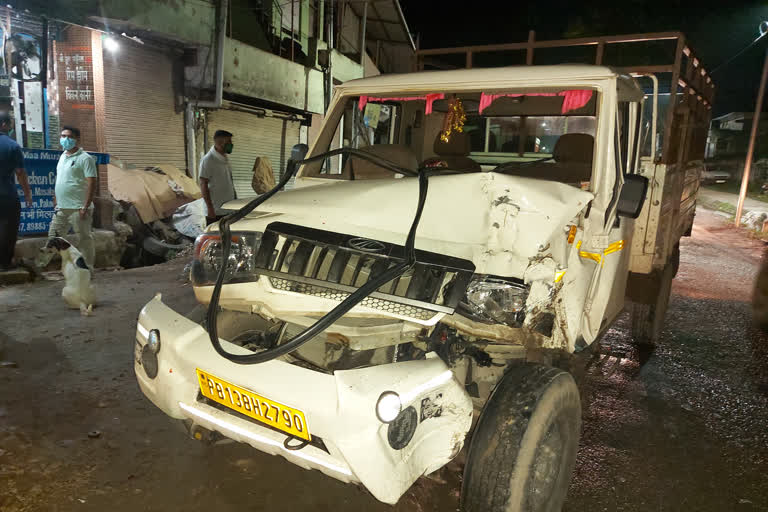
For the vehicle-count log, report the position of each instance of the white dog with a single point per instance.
(78, 291)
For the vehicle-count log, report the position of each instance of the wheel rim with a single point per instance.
(547, 467)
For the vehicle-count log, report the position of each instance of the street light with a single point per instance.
(763, 28)
(111, 44)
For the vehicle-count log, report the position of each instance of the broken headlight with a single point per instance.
(490, 299)
(240, 264)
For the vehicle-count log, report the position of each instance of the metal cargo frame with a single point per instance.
(694, 93)
(674, 174)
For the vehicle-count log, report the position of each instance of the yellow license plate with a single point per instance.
(289, 420)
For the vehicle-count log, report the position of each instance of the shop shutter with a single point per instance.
(142, 126)
(253, 137)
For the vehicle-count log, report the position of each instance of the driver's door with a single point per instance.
(604, 250)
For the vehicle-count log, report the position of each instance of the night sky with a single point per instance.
(716, 30)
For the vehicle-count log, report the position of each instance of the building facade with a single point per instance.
(149, 82)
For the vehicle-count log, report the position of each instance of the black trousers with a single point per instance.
(10, 213)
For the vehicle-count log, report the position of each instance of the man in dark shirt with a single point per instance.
(11, 165)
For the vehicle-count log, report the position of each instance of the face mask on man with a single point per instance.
(228, 147)
(67, 143)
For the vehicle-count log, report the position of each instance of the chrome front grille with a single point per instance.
(387, 306)
(332, 265)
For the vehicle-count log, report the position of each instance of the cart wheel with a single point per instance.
(648, 318)
(524, 447)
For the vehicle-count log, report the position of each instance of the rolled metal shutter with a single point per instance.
(142, 126)
(253, 137)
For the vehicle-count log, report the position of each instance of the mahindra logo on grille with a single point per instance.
(366, 245)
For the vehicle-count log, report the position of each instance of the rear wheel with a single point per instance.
(524, 447)
(648, 315)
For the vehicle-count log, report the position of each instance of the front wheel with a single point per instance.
(524, 447)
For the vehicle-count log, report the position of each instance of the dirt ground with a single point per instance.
(683, 428)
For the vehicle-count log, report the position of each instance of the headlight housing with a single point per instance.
(153, 341)
(149, 361)
(490, 299)
(240, 264)
(388, 407)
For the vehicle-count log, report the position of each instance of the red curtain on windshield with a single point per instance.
(572, 100)
(429, 98)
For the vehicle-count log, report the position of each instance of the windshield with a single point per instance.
(547, 134)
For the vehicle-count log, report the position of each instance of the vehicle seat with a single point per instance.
(572, 161)
(511, 146)
(359, 169)
(575, 150)
(454, 154)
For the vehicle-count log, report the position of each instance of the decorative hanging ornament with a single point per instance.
(454, 120)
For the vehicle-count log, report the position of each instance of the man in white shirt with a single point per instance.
(76, 178)
(216, 176)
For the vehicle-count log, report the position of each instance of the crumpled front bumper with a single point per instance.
(340, 408)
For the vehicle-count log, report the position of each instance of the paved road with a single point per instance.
(684, 428)
(707, 195)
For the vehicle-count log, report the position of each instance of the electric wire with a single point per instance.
(738, 54)
(347, 304)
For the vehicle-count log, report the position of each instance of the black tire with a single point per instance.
(644, 325)
(648, 319)
(524, 446)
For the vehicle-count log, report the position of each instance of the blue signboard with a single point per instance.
(40, 165)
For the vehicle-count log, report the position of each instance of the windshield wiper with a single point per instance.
(346, 150)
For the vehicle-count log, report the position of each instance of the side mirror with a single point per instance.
(298, 153)
(632, 196)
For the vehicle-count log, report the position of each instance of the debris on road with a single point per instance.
(155, 192)
(189, 219)
(14, 276)
(754, 220)
(153, 215)
(159, 212)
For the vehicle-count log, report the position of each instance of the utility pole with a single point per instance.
(363, 21)
(751, 147)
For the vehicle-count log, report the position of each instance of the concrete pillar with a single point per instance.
(304, 25)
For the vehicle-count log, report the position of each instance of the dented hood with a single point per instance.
(499, 222)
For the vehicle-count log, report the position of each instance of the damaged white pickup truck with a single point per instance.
(448, 233)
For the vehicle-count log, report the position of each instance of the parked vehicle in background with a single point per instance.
(451, 234)
(713, 174)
